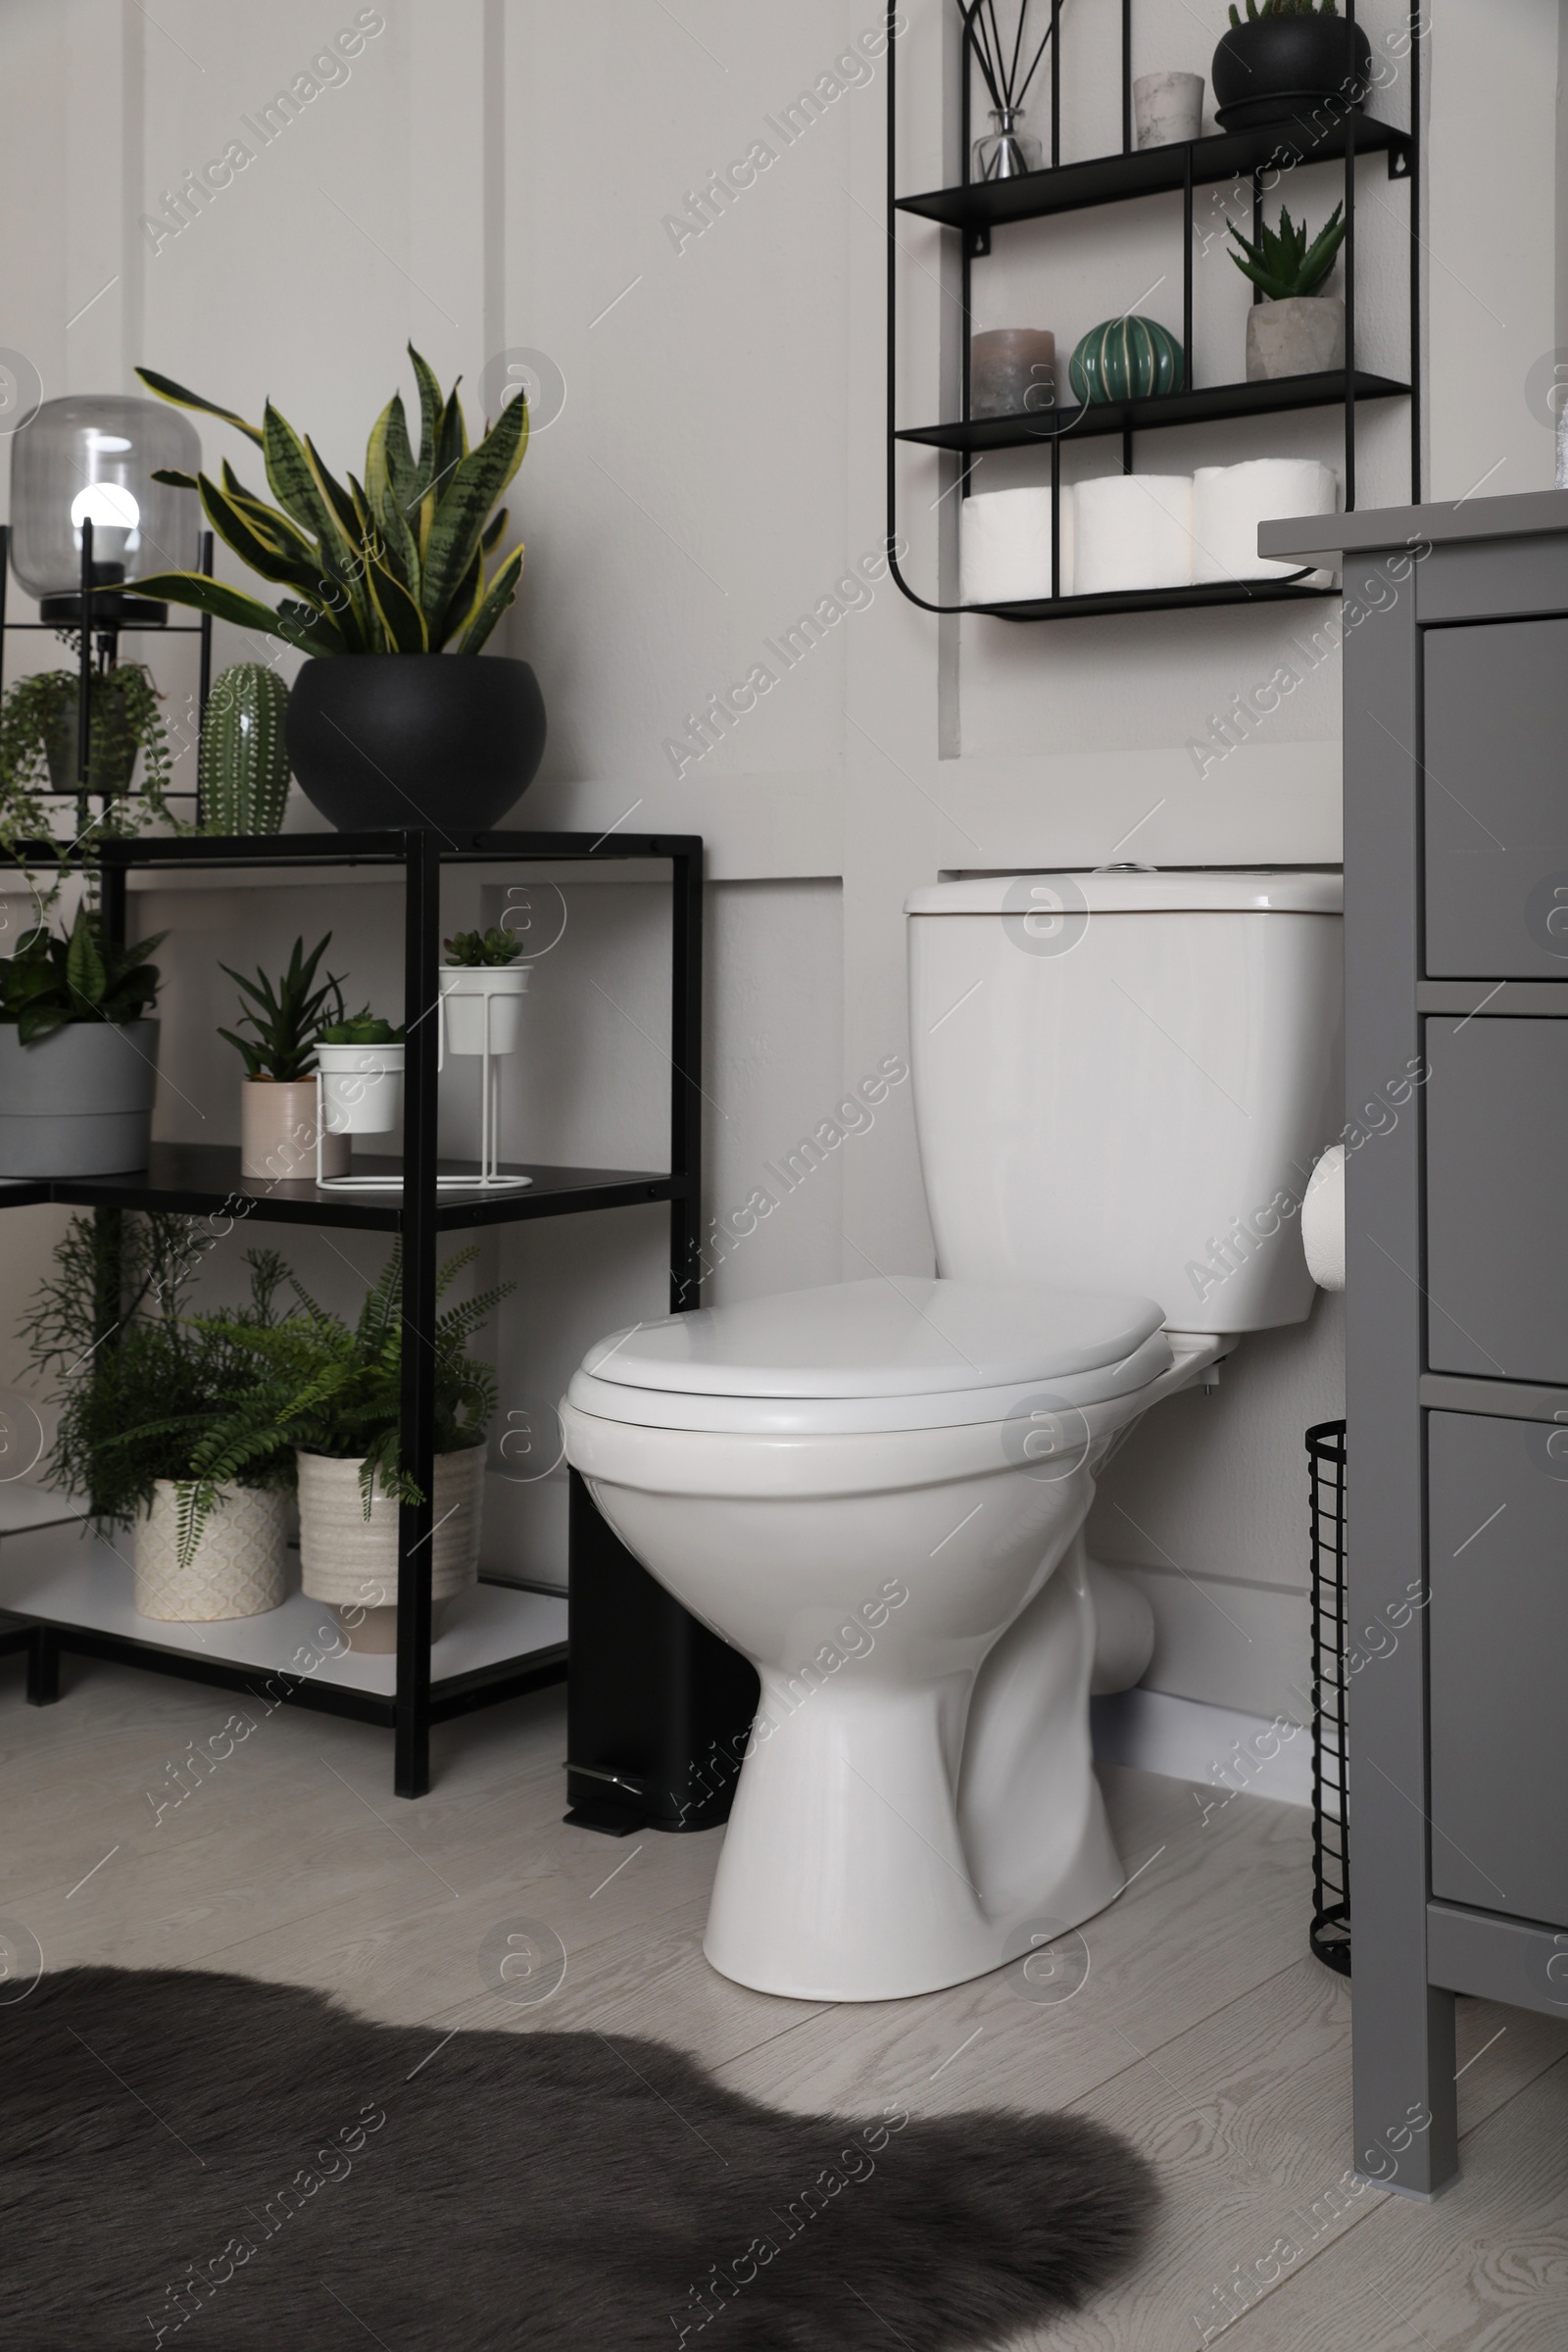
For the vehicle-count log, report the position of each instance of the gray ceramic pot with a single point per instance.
(1303, 335)
(78, 1102)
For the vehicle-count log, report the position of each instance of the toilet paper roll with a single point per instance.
(1006, 546)
(1229, 502)
(1135, 531)
(1323, 1220)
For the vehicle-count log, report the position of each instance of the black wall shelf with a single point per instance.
(205, 1179)
(976, 209)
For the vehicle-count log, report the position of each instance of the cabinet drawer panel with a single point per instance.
(1496, 801)
(1496, 1124)
(1499, 1664)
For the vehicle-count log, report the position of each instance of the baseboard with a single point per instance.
(1219, 1748)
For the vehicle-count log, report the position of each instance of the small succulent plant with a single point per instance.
(1257, 9)
(492, 947)
(1281, 262)
(361, 1029)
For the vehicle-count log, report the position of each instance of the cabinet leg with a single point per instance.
(1406, 2128)
(43, 1667)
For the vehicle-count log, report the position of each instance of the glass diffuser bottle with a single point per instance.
(1009, 151)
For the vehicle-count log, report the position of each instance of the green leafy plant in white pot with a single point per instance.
(79, 1052)
(334, 1391)
(483, 983)
(283, 1021)
(139, 1386)
(1296, 329)
(391, 723)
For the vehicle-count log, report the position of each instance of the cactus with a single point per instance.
(244, 761)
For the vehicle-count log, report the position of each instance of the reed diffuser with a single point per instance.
(1009, 150)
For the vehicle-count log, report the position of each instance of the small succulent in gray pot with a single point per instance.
(1296, 329)
(1290, 61)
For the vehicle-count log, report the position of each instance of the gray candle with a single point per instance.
(1013, 371)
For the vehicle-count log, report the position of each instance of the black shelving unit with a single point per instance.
(976, 209)
(204, 1180)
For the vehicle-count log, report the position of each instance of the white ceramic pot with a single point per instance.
(1304, 335)
(277, 1132)
(362, 1087)
(240, 1565)
(351, 1562)
(1167, 108)
(472, 994)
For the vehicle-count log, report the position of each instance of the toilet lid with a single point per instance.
(899, 1335)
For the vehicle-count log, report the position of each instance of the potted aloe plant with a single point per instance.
(1297, 329)
(285, 1019)
(333, 1393)
(1290, 61)
(139, 1384)
(79, 1052)
(384, 579)
(483, 983)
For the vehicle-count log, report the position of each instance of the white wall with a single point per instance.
(497, 176)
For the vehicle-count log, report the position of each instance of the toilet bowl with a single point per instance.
(876, 1491)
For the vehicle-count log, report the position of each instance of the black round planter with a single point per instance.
(383, 742)
(1286, 69)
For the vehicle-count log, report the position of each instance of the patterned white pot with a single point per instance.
(352, 1563)
(240, 1566)
(472, 995)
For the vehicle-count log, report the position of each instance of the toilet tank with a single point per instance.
(1122, 1080)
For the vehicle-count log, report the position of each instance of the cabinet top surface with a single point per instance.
(1531, 514)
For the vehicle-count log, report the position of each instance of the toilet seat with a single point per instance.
(861, 1357)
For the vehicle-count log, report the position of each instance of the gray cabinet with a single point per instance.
(1456, 1298)
(1498, 1550)
(1495, 799)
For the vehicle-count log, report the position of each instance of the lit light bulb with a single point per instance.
(106, 506)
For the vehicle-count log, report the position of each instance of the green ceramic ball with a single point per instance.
(1127, 359)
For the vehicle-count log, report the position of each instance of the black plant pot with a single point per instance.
(382, 742)
(1290, 69)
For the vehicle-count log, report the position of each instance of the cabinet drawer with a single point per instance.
(1499, 1664)
(1497, 1260)
(1496, 801)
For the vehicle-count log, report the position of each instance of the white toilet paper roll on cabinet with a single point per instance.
(1006, 547)
(1323, 1220)
(1134, 530)
(1229, 502)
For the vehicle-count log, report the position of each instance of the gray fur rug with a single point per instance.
(207, 2162)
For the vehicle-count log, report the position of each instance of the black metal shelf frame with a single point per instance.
(975, 209)
(201, 1181)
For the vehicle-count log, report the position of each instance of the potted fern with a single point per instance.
(483, 983)
(78, 1052)
(285, 1019)
(138, 1384)
(333, 1393)
(1290, 61)
(1297, 329)
(384, 579)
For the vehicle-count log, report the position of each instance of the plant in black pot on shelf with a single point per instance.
(387, 578)
(1297, 329)
(1290, 61)
(78, 1052)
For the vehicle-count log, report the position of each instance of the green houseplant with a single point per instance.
(39, 726)
(392, 570)
(1297, 329)
(79, 1052)
(483, 982)
(1295, 60)
(285, 1019)
(334, 1391)
(137, 1383)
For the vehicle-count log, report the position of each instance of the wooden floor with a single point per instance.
(1189, 2015)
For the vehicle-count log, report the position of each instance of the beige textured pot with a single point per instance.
(277, 1132)
(240, 1566)
(351, 1562)
(1304, 335)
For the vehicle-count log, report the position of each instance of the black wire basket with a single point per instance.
(1329, 1936)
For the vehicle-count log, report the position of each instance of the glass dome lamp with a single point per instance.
(90, 458)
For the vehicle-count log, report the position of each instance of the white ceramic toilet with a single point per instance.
(877, 1491)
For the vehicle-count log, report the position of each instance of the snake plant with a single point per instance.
(1257, 9)
(393, 565)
